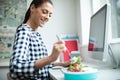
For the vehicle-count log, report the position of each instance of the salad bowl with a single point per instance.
(77, 71)
(86, 73)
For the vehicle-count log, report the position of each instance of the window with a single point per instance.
(115, 18)
(97, 4)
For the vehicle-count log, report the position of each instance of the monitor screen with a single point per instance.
(97, 32)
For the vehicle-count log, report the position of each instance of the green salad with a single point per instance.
(76, 65)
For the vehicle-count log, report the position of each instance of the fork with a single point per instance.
(66, 47)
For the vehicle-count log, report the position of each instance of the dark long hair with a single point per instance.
(37, 3)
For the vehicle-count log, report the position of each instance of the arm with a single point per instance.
(20, 65)
(58, 47)
(64, 64)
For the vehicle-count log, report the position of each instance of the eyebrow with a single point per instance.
(48, 11)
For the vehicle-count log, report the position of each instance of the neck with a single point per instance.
(32, 25)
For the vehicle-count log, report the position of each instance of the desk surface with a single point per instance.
(105, 73)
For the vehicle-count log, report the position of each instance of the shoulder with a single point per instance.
(24, 30)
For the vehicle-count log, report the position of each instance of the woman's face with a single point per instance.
(41, 14)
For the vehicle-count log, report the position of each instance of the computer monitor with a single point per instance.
(98, 33)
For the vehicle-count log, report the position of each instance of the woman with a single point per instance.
(30, 60)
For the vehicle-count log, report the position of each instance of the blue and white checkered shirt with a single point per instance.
(28, 47)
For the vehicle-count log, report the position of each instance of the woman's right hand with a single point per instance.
(58, 48)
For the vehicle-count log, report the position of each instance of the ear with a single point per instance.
(32, 7)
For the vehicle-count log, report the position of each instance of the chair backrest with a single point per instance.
(9, 77)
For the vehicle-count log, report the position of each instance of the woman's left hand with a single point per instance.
(64, 64)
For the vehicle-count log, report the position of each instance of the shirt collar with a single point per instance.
(30, 29)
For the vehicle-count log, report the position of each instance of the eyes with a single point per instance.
(45, 11)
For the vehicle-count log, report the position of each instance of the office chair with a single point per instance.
(9, 77)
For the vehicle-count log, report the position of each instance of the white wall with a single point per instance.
(63, 21)
(85, 14)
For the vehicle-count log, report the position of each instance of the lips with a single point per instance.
(42, 21)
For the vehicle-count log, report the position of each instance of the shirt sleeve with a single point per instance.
(20, 64)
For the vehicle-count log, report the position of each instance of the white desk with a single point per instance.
(56, 74)
(105, 73)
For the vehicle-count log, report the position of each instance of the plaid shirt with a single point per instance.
(28, 47)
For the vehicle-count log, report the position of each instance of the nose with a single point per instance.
(47, 17)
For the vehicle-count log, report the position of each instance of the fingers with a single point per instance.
(60, 47)
(60, 42)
